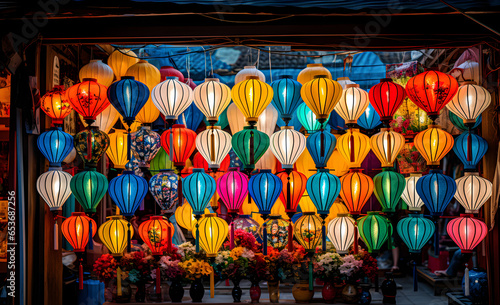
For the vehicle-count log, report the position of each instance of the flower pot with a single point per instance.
(274, 291)
(140, 294)
(165, 291)
(255, 292)
(301, 292)
(197, 291)
(126, 292)
(236, 292)
(329, 292)
(176, 291)
(350, 294)
(365, 298)
(151, 295)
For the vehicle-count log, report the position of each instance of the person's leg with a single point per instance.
(395, 258)
(455, 263)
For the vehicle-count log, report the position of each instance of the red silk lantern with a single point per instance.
(183, 144)
(157, 234)
(431, 91)
(356, 190)
(294, 186)
(467, 232)
(166, 71)
(88, 98)
(386, 97)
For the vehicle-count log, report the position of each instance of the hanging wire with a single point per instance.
(258, 59)
(211, 65)
(270, 70)
(205, 54)
(188, 63)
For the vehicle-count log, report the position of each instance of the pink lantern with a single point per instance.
(467, 232)
(232, 188)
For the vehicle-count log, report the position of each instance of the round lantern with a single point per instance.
(145, 143)
(294, 185)
(54, 188)
(184, 217)
(105, 120)
(321, 146)
(431, 91)
(89, 187)
(183, 140)
(191, 117)
(212, 233)
(249, 71)
(160, 161)
(374, 229)
(470, 149)
(98, 70)
(265, 189)
(128, 96)
(88, 98)
(353, 146)
(198, 189)
(213, 144)
(410, 195)
(287, 145)
(352, 103)
(286, 97)
(459, 123)
(307, 230)
(172, 97)
(121, 60)
(469, 102)
(252, 96)
(321, 95)
(157, 234)
(169, 71)
(55, 104)
(356, 190)
(232, 188)
(91, 144)
(212, 97)
(308, 119)
(163, 187)
(114, 234)
(433, 144)
(76, 229)
(415, 231)
(117, 150)
(473, 191)
(277, 232)
(389, 186)
(128, 191)
(386, 145)
(55, 145)
(249, 145)
(369, 119)
(386, 97)
(467, 232)
(341, 233)
(436, 191)
(323, 189)
(149, 75)
(311, 71)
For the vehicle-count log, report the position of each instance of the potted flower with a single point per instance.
(195, 269)
(350, 272)
(256, 273)
(105, 270)
(138, 267)
(171, 270)
(327, 268)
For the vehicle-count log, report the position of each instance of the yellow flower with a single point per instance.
(237, 252)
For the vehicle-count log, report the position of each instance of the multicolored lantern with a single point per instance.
(163, 186)
(145, 144)
(277, 233)
(157, 234)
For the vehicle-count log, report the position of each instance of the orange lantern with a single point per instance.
(157, 234)
(353, 146)
(55, 104)
(88, 98)
(294, 185)
(433, 144)
(356, 190)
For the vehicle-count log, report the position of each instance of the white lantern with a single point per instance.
(172, 97)
(235, 118)
(213, 144)
(249, 71)
(341, 233)
(104, 120)
(212, 97)
(410, 195)
(98, 70)
(267, 120)
(54, 188)
(343, 81)
(386, 145)
(469, 102)
(287, 145)
(472, 191)
(267, 161)
(352, 104)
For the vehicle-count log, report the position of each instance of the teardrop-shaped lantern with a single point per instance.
(309, 120)
(191, 117)
(352, 103)
(374, 229)
(213, 144)
(307, 230)
(389, 186)
(341, 233)
(252, 96)
(287, 145)
(473, 191)
(410, 195)
(76, 230)
(91, 144)
(163, 187)
(249, 71)
(470, 154)
(117, 150)
(286, 97)
(323, 189)
(198, 188)
(88, 98)
(433, 144)
(321, 146)
(184, 216)
(311, 71)
(356, 190)
(467, 232)
(386, 145)
(469, 102)
(459, 123)
(128, 191)
(212, 97)
(369, 119)
(128, 96)
(436, 191)
(183, 140)
(98, 70)
(114, 234)
(415, 231)
(145, 144)
(172, 97)
(294, 185)
(249, 145)
(55, 145)
(386, 97)
(232, 188)
(121, 60)
(353, 146)
(89, 187)
(157, 234)
(167, 71)
(212, 234)
(55, 104)
(321, 95)
(54, 188)
(265, 188)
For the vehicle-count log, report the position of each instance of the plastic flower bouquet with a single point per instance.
(195, 268)
(105, 267)
(327, 266)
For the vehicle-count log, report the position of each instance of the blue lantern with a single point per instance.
(198, 188)
(369, 119)
(308, 119)
(336, 121)
(265, 188)
(145, 143)
(55, 145)
(286, 96)
(127, 191)
(163, 187)
(479, 146)
(128, 96)
(436, 191)
(415, 231)
(191, 117)
(323, 189)
(459, 122)
(321, 145)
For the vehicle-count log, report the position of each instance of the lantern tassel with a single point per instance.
(469, 146)
(197, 238)
(129, 139)
(351, 139)
(311, 275)
(119, 282)
(323, 233)
(466, 281)
(91, 240)
(355, 238)
(179, 191)
(288, 191)
(212, 147)
(415, 280)
(169, 238)
(56, 236)
(80, 275)
(129, 246)
(252, 157)
(158, 281)
(212, 284)
(322, 144)
(290, 236)
(389, 148)
(264, 236)
(231, 244)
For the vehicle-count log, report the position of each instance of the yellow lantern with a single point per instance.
(321, 95)
(336, 209)
(185, 217)
(311, 71)
(306, 204)
(307, 230)
(117, 149)
(386, 145)
(433, 144)
(352, 104)
(252, 96)
(133, 128)
(114, 234)
(213, 232)
(353, 146)
(104, 120)
(98, 70)
(337, 164)
(305, 164)
(279, 209)
(252, 210)
(149, 75)
(121, 60)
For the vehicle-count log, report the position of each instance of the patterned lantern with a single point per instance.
(308, 119)
(198, 189)
(114, 234)
(356, 190)
(473, 191)
(352, 103)
(436, 191)
(433, 144)
(354, 146)
(341, 233)
(249, 145)
(369, 119)
(389, 186)
(183, 140)
(321, 146)
(252, 96)
(213, 144)
(374, 230)
(55, 145)
(470, 149)
(55, 104)
(163, 187)
(91, 144)
(386, 145)
(98, 70)
(88, 98)
(145, 144)
(211, 232)
(277, 233)
(307, 230)
(167, 71)
(467, 232)
(212, 97)
(157, 234)
(128, 96)
(415, 231)
(249, 71)
(172, 97)
(286, 97)
(311, 71)
(121, 60)
(386, 97)
(247, 224)
(54, 188)
(469, 102)
(410, 194)
(117, 150)
(128, 191)
(232, 188)
(321, 95)
(287, 145)
(89, 187)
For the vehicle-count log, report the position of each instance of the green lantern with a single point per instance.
(374, 229)
(388, 188)
(308, 119)
(160, 161)
(250, 145)
(89, 187)
(415, 231)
